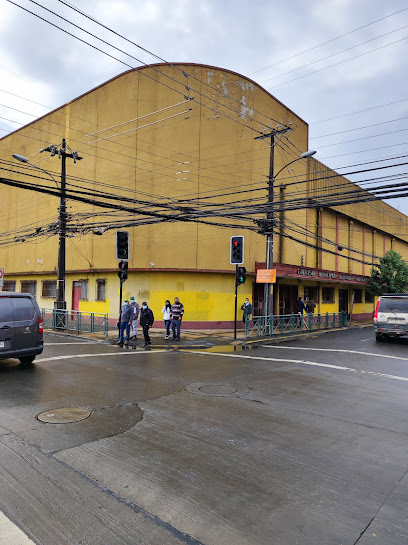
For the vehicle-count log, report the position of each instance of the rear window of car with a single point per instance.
(393, 304)
(23, 309)
(6, 310)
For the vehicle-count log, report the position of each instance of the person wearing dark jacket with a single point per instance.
(125, 321)
(146, 321)
(300, 306)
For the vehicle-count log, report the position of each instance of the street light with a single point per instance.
(268, 303)
(60, 302)
(23, 159)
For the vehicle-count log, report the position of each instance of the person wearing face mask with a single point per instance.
(125, 319)
(146, 321)
(166, 310)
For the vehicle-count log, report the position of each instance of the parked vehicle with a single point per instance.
(21, 329)
(391, 316)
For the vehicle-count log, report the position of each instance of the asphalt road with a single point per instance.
(301, 443)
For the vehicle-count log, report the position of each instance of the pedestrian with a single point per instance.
(310, 306)
(125, 319)
(176, 315)
(135, 315)
(300, 306)
(247, 308)
(146, 321)
(166, 310)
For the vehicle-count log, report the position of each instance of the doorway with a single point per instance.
(343, 300)
(288, 295)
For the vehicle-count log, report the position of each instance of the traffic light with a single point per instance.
(237, 250)
(123, 270)
(122, 245)
(241, 275)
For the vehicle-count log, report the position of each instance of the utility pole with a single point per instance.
(60, 302)
(269, 223)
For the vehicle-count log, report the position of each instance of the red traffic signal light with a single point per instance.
(237, 250)
(123, 270)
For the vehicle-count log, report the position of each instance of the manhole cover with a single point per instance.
(218, 389)
(64, 415)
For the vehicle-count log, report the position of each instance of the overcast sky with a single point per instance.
(343, 57)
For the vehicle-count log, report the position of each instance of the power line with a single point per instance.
(334, 54)
(340, 62)
(329, 41)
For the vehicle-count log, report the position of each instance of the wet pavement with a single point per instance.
(300, 442)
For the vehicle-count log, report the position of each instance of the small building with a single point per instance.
(171, 154)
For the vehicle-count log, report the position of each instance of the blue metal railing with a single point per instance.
(75, 320)
(266, 326)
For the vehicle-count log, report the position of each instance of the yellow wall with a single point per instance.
(221, 156)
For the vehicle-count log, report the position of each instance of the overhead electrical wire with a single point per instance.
(329, 41)
(337, 63)
(334, 54)
(132, 67)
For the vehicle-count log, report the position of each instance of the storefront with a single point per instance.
(331, 291)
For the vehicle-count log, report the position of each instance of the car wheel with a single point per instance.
(26, 360)
(379, 337)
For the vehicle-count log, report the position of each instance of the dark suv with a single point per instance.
(21, 330)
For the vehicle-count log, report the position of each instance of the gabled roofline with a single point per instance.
(152, 66)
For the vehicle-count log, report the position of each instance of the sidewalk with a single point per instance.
(207, 338)
(203, 338)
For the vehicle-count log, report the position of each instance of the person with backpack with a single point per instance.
(310, 306)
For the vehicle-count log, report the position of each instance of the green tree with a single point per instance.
(390, 275)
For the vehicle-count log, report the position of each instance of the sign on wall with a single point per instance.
(266, 276)
(1, 277)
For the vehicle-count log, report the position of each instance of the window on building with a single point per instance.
(358, 296)
(9, 285)
(328, 295)
(369, 297)
(311, 293)
(29, 286)
(84, 288)
(100, 289)
(49, 288)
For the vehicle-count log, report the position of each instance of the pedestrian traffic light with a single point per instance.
(123, 270)
(122, 245)
(241, 275)
(237, 250)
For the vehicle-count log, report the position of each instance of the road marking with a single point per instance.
(60, 344)
(365, 340)
(11, 534)
(302, 362)
(103, 354)
(336, 350)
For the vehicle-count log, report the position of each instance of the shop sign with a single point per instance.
(1, 278)
(266, 276)
(315, 273)
(306, 272)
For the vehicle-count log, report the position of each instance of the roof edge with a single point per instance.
(152, 66)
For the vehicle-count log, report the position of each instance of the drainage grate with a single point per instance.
(64, 415)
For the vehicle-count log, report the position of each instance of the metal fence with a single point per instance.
(74, 320)
(266, 326)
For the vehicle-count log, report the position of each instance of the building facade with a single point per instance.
(178, 136)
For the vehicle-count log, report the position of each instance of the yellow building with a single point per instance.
(163, 136)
